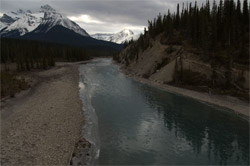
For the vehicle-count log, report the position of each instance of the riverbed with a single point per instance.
(41, 126)
(128, 122)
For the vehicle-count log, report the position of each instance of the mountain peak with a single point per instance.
(128, 31)
(46, 8)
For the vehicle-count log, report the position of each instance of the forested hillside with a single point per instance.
(28, 54)
(212, 36)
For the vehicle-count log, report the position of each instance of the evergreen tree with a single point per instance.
(220, 32)
(245, 15)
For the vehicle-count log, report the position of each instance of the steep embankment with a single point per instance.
(162, 62)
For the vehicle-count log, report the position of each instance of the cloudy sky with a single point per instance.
(101, 16)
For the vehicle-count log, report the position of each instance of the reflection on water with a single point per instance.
(224, 136)
(139, 124)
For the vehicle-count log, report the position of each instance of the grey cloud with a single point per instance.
(115, 12)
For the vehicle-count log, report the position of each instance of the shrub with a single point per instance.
(10, 84)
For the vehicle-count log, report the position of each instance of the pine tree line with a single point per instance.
(220, 30)
(39, 55)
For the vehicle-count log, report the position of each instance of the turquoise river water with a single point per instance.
(132, 123)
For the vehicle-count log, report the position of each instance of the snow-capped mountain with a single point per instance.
(119, 37)
(10, 17)
(25, 24)
(22, 22)
(52, 18)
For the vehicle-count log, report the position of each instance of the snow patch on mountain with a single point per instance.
(102, 36)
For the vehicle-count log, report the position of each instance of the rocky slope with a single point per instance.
(5, 21)
(162, 60)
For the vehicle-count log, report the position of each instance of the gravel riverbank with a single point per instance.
(41, 126)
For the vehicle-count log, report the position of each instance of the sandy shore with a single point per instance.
(239, 107)
(41, 126)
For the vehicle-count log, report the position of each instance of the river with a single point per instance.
(132, 123)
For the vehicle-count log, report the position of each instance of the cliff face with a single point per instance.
(165, 61)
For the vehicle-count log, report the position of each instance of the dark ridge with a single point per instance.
(62, 35)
